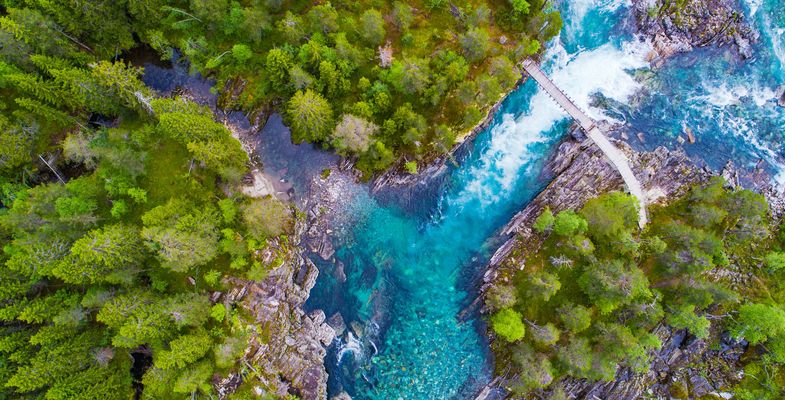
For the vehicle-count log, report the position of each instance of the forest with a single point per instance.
(120, 210)
(110, 265)
(377, 80)
(595, 287)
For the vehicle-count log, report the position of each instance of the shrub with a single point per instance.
(508, 324)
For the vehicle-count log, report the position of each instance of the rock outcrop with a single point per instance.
(673, 29)
(781, 98)
(287, 346)
(684, 367)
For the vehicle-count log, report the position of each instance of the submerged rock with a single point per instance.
(336, 322)
(342, 396)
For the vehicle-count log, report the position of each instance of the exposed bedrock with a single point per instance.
(674, 28)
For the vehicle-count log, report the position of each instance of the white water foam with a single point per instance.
(778, 44)
(350, 345)
(605, 70)
(776, 34)
(753, 6)
(580, 8)
(723, 95)
(714, 108)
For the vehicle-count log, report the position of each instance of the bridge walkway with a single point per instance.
(616, 157)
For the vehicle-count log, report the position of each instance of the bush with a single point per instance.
(508, 324)
(568, 223)
(544, 221)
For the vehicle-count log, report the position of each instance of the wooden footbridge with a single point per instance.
(618, 159)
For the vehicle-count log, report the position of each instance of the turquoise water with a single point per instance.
(410, 273)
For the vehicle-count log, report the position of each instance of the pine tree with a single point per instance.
(310, 116)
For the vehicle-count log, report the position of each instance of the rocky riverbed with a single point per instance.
(286, 346)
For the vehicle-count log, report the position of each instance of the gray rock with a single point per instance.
(357, 329)
(342, 396)
(698, 23)
(336, 322)
(288, 347)
(781, 99)
(339, 272)
(700, 386)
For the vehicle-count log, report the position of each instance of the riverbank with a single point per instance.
(579, 172)
(397, 177)
(286, 346)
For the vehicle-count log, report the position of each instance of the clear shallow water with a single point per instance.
(409, 277)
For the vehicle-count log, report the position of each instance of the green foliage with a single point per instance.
(610, 215)
(543, 285)
(331, 49)
(181, 235)
(112, 254)
(475, 44)
(544, 221)
(613, 283)
(775, 260)
(372, 26)
(266, 217)
(608, 285)
(507, 323)
(184, 350)
(575, 317)
(536, 369)
(520, 6)
(501, 296)
(758, 322)
(353, 135)
(95, 268)
(218, 312)
(685, 317)
(241, 53)
(411, 167)
(569, 223)
(310, 116)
